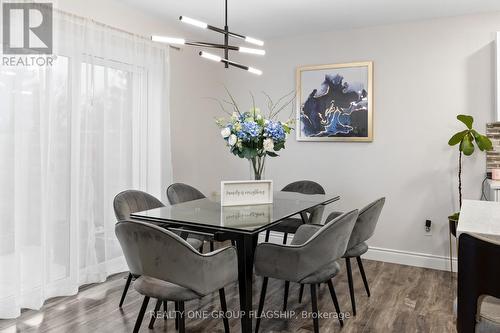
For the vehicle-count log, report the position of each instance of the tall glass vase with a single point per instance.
(257, 167)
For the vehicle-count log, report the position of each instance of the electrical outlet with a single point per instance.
(428, 228)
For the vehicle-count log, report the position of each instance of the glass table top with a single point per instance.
(209, 214)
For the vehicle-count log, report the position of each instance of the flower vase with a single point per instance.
(257, 167)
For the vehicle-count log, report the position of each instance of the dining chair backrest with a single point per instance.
(304, 187)
(478, 276)
(133, 201)
(308, 187)
(366, 222)
(180, 192)
(295, 262)
(334, 236)
(159, 253)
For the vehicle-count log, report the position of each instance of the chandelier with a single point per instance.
(226, 46)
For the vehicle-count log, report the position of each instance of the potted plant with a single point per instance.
(466, 141)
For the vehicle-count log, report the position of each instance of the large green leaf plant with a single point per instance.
(467, 140)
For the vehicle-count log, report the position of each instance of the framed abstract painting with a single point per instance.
(335, 102)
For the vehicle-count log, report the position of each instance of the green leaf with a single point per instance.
(467, 120)
(279, 145)
(272, 154)
(457, 138)
(467, 147)
(483, 142)
(487, 144)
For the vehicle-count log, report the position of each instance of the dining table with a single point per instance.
(239, 224)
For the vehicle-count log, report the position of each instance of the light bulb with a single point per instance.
(194, 22)
(210, 56)
(254, 70)
(252, 51)
(254, 41)
(168, 40)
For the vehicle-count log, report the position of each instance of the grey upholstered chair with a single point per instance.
(291, 224)
(363, 230)
(478, 308)
(172, 270)
(133, 201)
(311, 259)
(178, 193)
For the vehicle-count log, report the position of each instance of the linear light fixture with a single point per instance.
(168, 40)
(225, 46)
(194, 22)
(216, 58)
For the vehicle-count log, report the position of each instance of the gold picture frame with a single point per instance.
(343, 94)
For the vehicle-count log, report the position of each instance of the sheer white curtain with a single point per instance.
(73, 135)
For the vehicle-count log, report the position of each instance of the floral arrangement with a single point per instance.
(252, 134)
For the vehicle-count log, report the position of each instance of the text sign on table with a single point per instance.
(249, 192)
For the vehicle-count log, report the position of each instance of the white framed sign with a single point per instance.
(246, 192)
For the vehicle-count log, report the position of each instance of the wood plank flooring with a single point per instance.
(404, 299)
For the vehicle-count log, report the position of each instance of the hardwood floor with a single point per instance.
(404, 299)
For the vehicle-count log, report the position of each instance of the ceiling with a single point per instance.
(267, 19)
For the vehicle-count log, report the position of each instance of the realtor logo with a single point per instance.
(27, 28)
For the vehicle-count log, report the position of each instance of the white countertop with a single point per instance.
(480, 217)
(494, 184)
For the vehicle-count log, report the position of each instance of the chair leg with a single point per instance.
(176, 316)
(363, 275)
(285, 297)
(285, 238)
(335, 301)
(165, 310)
(127, 284)
(182, 318)
(268, 233)
(261, 303)
(138, 322)
(315, 314)
(211, 246)
(301, 291)
(223, 306)
(351, 285)
(153, 317)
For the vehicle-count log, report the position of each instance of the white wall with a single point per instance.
(425, 73)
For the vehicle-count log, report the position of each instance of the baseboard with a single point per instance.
(393, 256)
(411, 258)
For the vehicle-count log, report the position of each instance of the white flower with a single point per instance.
(268, 145)
(226, 131)
(232, 140)
(258, 117)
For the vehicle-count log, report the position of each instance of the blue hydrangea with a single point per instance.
(249, 130)
(274, 130)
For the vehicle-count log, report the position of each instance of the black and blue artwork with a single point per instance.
(337, 108)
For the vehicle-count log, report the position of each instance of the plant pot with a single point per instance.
(452, 223)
